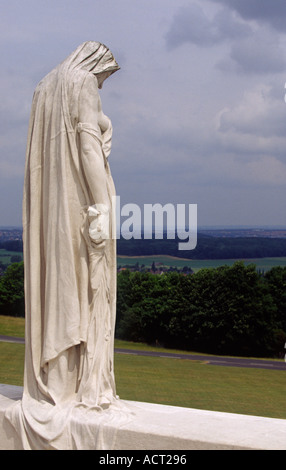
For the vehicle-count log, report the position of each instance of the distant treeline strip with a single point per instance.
(208, 247)
(12, 245)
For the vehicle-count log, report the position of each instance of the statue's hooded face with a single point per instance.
(101, 77)
(93, 57)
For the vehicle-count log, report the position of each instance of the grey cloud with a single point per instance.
(271, 12)
(253, 135)
(259, 53)
(230, 26)
(192, 25)
(251, 49)
(256, 107)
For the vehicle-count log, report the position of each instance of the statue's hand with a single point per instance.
(99, 222)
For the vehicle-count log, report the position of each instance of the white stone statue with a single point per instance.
(69, 252)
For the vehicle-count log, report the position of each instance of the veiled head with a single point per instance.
(93, 57)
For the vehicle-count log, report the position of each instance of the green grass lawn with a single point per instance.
(178, 382)
(11, 363)
(195, 384)
(12, 326)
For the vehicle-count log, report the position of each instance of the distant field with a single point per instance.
(169, 261)
(5, 256)
(261, 263)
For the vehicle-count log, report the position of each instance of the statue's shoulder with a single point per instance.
(90, 80)
(47, 82)
(89, 84)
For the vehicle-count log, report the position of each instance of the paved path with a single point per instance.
(11, 339)
(211, 360)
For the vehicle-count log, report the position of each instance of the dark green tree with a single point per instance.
(232, 314)
(275, 284)
(12, 291)
(228, 310)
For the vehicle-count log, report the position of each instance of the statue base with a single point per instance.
(154, 427)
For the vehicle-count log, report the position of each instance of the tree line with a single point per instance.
(208, 247)
(227, 310)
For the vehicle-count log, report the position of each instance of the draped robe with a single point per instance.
(70, 277)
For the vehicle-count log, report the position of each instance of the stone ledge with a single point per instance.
(162, 427)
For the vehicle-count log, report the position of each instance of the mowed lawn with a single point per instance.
(178, 382)
(198, 385)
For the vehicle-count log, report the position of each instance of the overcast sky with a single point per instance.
(197, 108)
